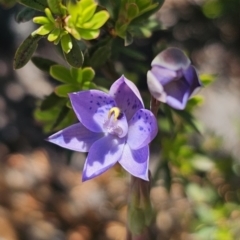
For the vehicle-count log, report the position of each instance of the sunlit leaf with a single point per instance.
(97, 20)
(41, 20)
(54, 35)
(66, 43)
(88, 34)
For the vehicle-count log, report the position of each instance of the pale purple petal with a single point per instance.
(136, 161)
(142, 129)
(178, 93)
(164, 75)
(127, 96)
(75, 137)
(171, 58)
(155, 87)
(191, 77)
(102, 155)
(91, 108)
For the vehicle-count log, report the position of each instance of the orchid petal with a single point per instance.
(142, 129)
(178, 93)
(75, 137)
(102, 155)
(163, 75)
(91, 108)
(171, 58)
(136, 161)
(191, 77)
(127, 96)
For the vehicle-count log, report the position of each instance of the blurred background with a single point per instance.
(196, 177)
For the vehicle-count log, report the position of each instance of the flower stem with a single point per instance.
(154, 106)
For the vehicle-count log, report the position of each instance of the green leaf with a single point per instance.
(43, 63)
(132, 11)
(44, 29)
(188, 118)
(51, 101)
(76, 74)
(112, 7)
(101, 55)
(89, 85)
(35, 4)
(60, 73)
(88, 34)
(75, 56)
(25, 51)
(207, 79)
(41, 20)
(25, 15)
(97, 20)
(54, 35)
(66, 43)
(63, 90)
(88, 12)
(87, 74)
(63, 113)
(56, 7)
(49, 15)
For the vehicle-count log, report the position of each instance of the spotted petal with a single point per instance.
(103, 154)
(136, 161)
(91, 108)
(75, 137)
(127, 96)
(142, 129)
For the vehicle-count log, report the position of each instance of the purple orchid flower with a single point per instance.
(172, 79)
(113, 128)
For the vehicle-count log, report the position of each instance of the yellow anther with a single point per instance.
(114, 111)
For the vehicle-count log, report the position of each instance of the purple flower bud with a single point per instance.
(172, 79)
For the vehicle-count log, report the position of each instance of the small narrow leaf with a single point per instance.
(25, 51)
(54, 35)
(41, 20)
(39, 5)
(43, 64)
(25, 15)
(43, 30)
(49, 15)
(60, 73)
(66, 43)
(75, 56)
